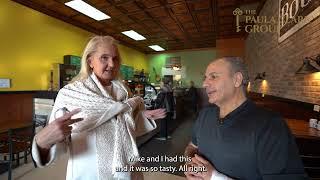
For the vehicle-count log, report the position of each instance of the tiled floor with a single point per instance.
(170, 148)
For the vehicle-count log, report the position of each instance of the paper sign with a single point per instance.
(4, 83)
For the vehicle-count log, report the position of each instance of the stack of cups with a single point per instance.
(313, 123)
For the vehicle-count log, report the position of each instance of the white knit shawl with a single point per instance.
(99, 107)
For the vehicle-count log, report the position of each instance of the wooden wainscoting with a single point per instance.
(16, 109)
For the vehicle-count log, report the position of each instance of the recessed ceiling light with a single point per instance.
(156, 48)
(87, 9)
(133, 35)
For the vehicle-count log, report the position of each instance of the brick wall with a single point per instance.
(280, 61)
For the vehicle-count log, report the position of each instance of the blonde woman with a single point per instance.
(102, 120)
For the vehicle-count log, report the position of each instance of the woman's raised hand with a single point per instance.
(155, 114)
(57, 130)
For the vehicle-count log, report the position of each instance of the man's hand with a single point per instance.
(155, 114)
(56, 131)
(206, 166)
(190, 174)
(191, 150)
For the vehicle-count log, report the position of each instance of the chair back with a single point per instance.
(6, 153)
(13, 142)
(23, 134)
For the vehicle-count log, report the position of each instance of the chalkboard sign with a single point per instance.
(126, 72)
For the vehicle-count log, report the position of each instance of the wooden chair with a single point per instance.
(6, 150)
(18, 140)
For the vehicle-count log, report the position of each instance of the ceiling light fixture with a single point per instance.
(87, 9)
(134, 35)
(156, 48)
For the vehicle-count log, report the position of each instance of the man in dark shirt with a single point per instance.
(235, 139)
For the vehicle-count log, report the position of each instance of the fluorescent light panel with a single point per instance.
(87, 9)
(133, 35)
(156, 48)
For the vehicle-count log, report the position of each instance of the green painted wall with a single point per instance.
(31, 42)
(194, 61)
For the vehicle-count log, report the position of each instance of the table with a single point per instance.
(5, 126)
(301, 129)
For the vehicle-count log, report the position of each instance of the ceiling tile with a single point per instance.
(125, 20)
(225, 11)
(158, 12)
(151, 3)
(184, 18)
(189, 25)
(83, 19)
(179, 8)
(201, 4)
(226, 3)
(140, 16)
(174, 1)
(130, 6)
(166, 20)
(113, 11)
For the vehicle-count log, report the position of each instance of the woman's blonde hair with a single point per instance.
(91, 48)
